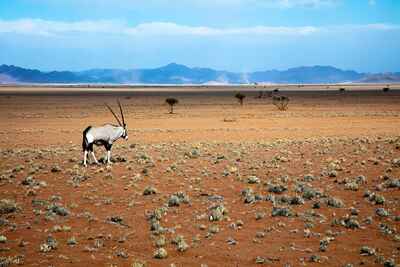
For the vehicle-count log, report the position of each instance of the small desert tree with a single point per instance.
(281, 102)
(240, 97)
(386, 89)
(171, 102)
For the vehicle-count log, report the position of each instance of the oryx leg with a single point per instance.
(94, 157)
(84, 158)
(90, 149)
(108, 157)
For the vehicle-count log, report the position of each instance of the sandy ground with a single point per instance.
(200, 116)
(209, 150)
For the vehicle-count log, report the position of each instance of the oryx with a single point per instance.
(104, 135)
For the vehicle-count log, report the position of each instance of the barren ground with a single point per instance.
(310, 166)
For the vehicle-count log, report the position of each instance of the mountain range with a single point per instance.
(180, 74)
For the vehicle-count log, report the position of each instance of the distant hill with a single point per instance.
(315, 74)
(180, 74)
(382, 78)
(35, 76)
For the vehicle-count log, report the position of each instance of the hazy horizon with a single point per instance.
(192, 67)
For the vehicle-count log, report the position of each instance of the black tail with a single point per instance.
(84, 140)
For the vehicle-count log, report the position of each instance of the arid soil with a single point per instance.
(214, 184)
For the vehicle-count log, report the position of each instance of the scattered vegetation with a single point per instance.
(240, 97)
(288, 196)
(7, 206)
(281, 102)
(171, 102)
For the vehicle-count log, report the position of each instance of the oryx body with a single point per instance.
(104, 135)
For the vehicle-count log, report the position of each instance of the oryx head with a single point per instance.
(123, 124)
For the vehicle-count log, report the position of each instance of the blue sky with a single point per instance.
(236, 35)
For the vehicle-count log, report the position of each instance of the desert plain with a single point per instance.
(214, 184)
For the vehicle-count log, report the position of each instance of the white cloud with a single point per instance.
(364, 27)
(379, 26)
(167, 28)
(53, 28)
(48, 28)
(57, 28)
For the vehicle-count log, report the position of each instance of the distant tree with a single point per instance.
(240, 97)
(386, 89)
(281, 102)
(342, 89)
(171, 102)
